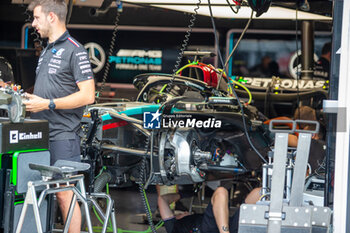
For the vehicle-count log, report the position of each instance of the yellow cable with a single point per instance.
(262, 196)
(245, 88)
(177, 72)
(185, 66)
(220, 70)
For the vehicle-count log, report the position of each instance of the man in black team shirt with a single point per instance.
(215, 218)
(322, 66)
(64, 85)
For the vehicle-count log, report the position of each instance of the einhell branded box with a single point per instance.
(28, 135)
(20, 144)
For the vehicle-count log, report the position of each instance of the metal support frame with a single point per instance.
(303, 149)
(341, 218)
(277, 184)
(307, 49)
(80, 194)
(280, 214)
(299, 173)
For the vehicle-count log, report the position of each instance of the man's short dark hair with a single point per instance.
(305, 113)
(326, 48)
(58, 7)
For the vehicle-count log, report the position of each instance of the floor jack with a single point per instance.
(285, 210)
(66, 170)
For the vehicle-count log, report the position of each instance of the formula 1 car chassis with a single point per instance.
(115, 139)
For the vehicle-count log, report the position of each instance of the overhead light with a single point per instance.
(221, 10)
(244, 13)
(176, 2)
(219, 7)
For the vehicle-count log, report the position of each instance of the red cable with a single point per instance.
(236, 2)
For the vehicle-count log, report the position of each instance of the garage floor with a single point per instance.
(130, 211)
(131, 214)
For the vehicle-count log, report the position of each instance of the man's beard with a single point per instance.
(44, 31)
(44, 34)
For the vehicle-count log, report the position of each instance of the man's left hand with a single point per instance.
(36, 103)
(184, 214)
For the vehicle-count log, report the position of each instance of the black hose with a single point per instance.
(229, 83)
(111, 50)
(101, 181)
(184, 45)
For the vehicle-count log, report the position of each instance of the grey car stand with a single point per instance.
(65, 169)
(280, 214)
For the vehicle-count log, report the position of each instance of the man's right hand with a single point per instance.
(36, 103)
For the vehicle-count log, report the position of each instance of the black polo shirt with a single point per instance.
(62, 64)
(321, 69)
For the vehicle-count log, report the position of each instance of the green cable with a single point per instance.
(110, 228)
(178, 71)
(98, 217)
(163, 88)
(148, 207)
(185, 66)
(245, 88)
(239, 84)
(103, 168)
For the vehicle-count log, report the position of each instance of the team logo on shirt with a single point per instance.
(52, 71)
(58, 54)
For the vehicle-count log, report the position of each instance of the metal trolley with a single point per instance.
(66, 170)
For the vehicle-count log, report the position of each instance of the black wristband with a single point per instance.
(52, 105)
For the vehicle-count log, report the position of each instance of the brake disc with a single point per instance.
(16, 109)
